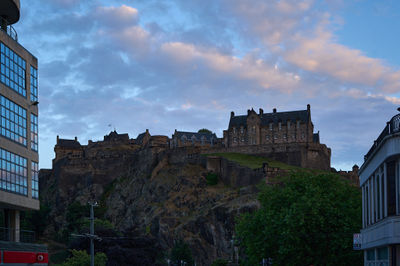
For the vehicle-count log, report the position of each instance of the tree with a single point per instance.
(181, 251)
(81, 258)
(308, 219)
(204, 130)
(220, 262)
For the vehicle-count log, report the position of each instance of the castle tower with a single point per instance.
(19, 169)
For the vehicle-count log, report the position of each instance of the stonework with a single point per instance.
(270, 128)
(283, 136)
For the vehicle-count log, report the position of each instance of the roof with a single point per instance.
(198, 136)
(140, 137)
(115, 136)
(68, 143)
(267, 118)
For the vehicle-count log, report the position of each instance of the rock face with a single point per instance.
(151, 198)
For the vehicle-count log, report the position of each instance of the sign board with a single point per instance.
(357, 239)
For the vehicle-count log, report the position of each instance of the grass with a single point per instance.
(254, 162)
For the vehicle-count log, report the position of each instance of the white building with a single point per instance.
(380, 184)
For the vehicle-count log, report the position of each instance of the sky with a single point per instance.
(185, 65)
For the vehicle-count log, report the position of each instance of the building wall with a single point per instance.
(20, 201)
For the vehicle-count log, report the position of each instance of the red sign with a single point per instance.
(25, 257)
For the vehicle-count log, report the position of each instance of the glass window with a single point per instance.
(34, 84)
(35, 180)
(13, 121)
(382, 253)
(13, 69)
(371, 254)
(34, 132)
(13, 173)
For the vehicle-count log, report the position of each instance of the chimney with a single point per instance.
(261, 111)
(76, 138)
(58, 138)
(308, 107)
(274, 110)
(248, 112)
(232, 114)
(147, 131)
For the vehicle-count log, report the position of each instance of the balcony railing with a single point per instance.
(25, 236)
(392, 127)
(9, 29)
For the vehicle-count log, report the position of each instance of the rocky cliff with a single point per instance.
(151, 202)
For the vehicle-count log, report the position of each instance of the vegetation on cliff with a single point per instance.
(307, 219)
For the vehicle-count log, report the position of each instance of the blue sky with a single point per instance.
(166, 65)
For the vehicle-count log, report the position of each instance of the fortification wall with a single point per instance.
(312, 155)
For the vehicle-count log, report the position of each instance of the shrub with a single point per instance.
(212, 179)
(81, 258)
(220, 262)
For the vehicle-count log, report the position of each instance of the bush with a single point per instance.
(220, 262)
(81, 258)
(212, 179)
(181, 251)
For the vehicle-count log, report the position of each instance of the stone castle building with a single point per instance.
(198, 139)
(270, 128)
(284, 136)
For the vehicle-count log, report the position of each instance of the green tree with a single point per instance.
(220, 262)
(81, 258)
(204, 130)
(181, 251)
(308, 219)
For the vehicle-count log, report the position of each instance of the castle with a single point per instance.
(284, 136)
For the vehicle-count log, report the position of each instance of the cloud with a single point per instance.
(187, 64)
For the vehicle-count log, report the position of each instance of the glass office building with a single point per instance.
(380, 185)
(19, 171)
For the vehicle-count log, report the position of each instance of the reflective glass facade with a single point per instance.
(34, 132)
(35, 180)
(13, 69)
(13, 121)
(34, 84)
(14, 174)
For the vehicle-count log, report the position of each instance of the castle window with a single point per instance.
(280, 125)
(254, 129)
(302, 135)
(234, 140)
(267, 137)
(284, 137)
(293, 136)
(270, 126)
(241, 130)
(242, 139)
(234, 130)
(298, 124)
(275, 137)
(288, 124)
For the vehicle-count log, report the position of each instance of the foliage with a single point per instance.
(212, 179)
(181, 251)
(75, 216)
(204, 130)
(81, 258)
(35, 220)
(98, 224)
(220, 262)
(309, 219)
